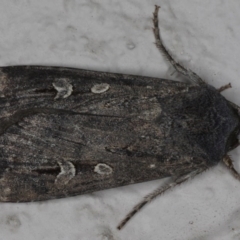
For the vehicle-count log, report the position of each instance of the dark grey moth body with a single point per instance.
(138, 130)
(65, 131)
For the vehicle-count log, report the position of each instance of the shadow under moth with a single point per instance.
(66, 131)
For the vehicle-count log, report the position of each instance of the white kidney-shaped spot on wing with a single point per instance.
(63, 87)
(67, 172)
(103, 169)
(100, 88)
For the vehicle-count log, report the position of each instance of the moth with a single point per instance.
(65, 131)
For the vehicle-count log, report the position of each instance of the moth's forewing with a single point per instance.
(60, 137)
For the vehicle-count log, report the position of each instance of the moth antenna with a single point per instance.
(157, 192)
(229, 163)
(195, 79)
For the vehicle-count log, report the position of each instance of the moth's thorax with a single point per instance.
(203, 118)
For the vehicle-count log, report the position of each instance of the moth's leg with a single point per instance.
(229, 163)
(195, 79)
(157, 192)
(224, 87)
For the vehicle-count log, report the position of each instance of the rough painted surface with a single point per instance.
(117, 37)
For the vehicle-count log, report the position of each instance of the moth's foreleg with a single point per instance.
(224, 87)
(158, 191)
(195, 79)
(229, 163)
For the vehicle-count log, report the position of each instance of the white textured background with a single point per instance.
(116, 36)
